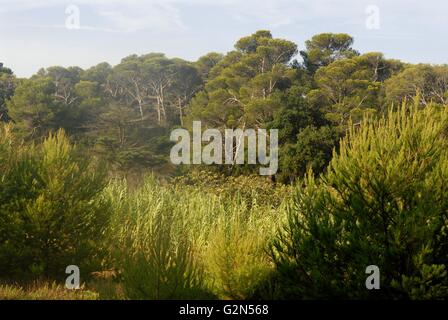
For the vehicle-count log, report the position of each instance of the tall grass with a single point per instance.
(181, 241)
(44, 291)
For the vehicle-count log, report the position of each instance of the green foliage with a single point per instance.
(7, 87)
(325, 48)
(153, 253)
(207, 62)
(430, 83)
(240, 88)
(381, 202)
(44, 291)
(252, 190)
(186, 241)
(51, 212)
(313, 150)
(235, 258)
(34, 108)
(349, 88)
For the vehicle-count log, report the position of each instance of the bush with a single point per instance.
(312, 150)
(249, 190)
(382, 202)
(51, 212)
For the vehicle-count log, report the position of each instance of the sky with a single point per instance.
(43, 33)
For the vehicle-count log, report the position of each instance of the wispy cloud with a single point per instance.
(135, 15)
(158, 15)
(410, 29)
(168, 15)
(113, 15)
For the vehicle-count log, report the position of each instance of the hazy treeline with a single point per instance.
(125, 112)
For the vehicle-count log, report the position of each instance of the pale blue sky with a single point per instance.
(33, 33)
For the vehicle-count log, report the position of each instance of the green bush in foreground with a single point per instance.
(51, 211)
(382, 202)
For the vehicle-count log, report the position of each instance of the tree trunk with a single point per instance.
(180, 112)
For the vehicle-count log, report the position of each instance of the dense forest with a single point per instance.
(86, 177)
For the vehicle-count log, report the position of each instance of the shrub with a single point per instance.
(252, 190)
(382, 202)
(51, 212)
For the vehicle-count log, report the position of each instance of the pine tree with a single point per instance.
(383, 201)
